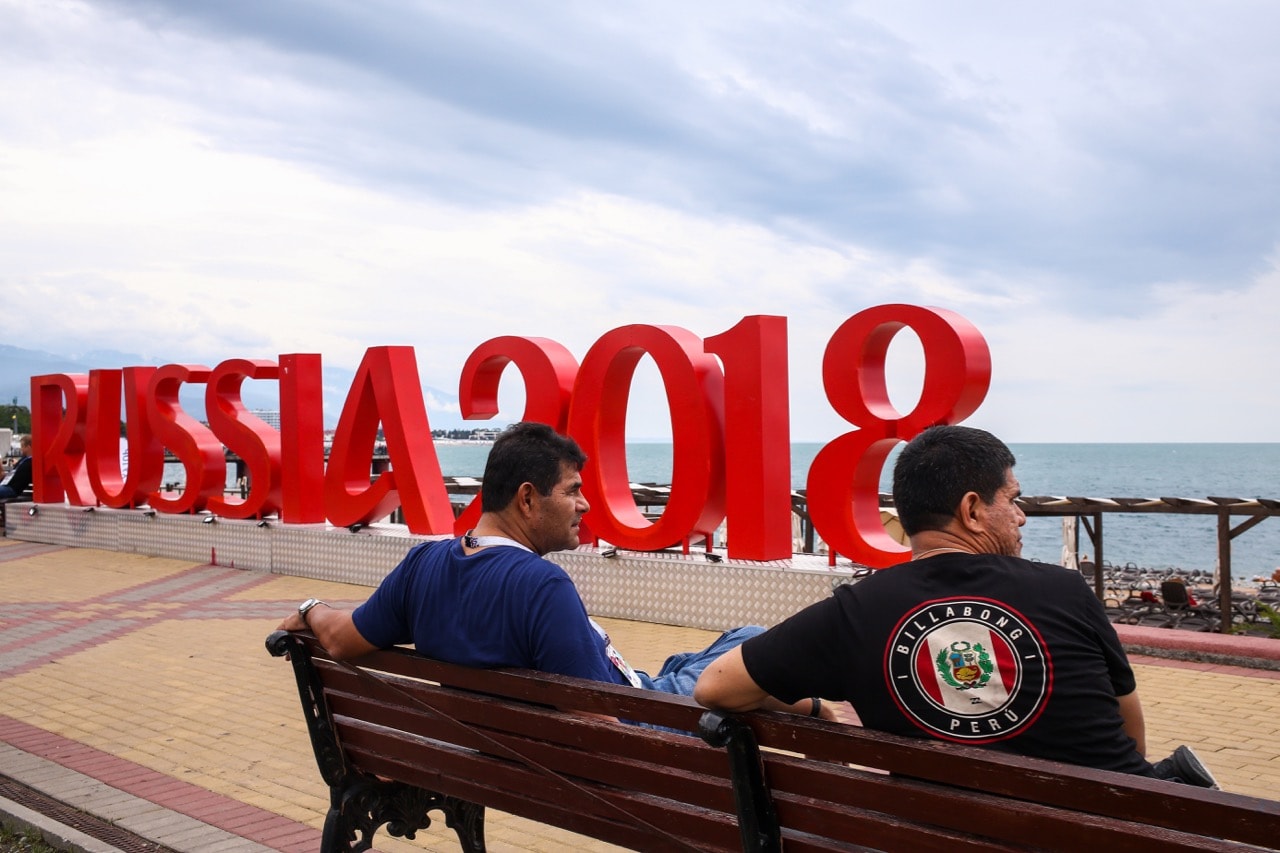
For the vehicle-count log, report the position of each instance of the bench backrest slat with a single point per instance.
(677, 712)
(1093, 803)
(477, 710)
(872, 830)
(568, 746)
(495, 739)
(578, 804)
(877, 814)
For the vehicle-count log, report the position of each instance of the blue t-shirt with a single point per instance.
(502, 606)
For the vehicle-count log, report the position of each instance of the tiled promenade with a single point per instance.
(138, 688)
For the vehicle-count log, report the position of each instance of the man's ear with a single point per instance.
(524, 498)
(970, 513)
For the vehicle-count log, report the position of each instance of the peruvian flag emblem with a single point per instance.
(970, 670)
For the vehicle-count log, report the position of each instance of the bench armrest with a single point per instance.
(757, 819)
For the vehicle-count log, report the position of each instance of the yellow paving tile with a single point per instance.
(77, 574)
(297, 589)
(199, 699)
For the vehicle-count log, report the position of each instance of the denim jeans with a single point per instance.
(680, 671)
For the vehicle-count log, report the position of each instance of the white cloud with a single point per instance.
(1095, 190)
(1192, 368)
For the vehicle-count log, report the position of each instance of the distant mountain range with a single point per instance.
(18, 365)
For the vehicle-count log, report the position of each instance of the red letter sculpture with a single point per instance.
(386, 387)
(302, 438)
(247, 436)
(198, 449)
(844, 480)
(146, 454)
(757, 437)
(548, 370)
(58, 404)
(598, 419)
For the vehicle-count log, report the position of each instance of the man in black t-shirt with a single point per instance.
(19, 480)
(967, 642)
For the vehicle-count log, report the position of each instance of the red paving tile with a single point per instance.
(231, 602)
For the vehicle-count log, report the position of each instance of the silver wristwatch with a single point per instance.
(305, 607)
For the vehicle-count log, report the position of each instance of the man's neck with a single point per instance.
(930, 543)
(495, 526)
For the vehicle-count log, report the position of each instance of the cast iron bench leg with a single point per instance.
(356, 814)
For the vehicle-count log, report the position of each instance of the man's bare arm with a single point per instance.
(333, 628)
(726, 686)
(1135, 725)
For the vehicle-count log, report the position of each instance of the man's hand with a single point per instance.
(292, 622)
(333, 628)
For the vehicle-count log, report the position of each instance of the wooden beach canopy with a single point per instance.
(1091, 510)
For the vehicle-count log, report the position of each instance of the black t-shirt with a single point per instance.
(978, 649)
(20, 480)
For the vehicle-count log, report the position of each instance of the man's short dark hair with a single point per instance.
(526, 452)
(937, 468)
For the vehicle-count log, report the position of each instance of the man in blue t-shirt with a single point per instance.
(489, 599)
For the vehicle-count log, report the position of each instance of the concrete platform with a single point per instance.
(137, 688)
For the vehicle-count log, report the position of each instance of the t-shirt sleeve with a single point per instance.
(1118, 668)
(383, 620)
(794, 659)
(563, 640)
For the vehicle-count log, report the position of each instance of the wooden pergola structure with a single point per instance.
(1090, 512)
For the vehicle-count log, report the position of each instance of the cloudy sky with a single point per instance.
(1094, 185)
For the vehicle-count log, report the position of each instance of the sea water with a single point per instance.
(1079, 470)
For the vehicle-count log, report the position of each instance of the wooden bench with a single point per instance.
(397, 735)
(831, 785)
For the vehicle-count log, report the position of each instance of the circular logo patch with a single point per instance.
(968, 670)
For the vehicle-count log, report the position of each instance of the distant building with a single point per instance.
(269, 417)
(484, 435)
